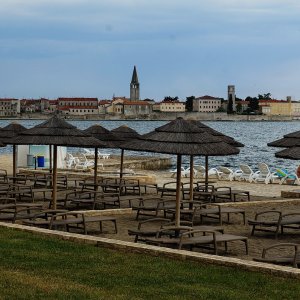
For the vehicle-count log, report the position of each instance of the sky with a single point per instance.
(88, 48)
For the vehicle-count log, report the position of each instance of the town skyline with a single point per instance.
(82, 48)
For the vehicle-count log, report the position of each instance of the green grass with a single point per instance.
(35, 267)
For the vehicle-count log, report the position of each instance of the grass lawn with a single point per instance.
(35, 267)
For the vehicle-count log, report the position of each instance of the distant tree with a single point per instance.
(253, 103)
(221, 109)
(172, 99)
(239, 107)
(266, 96)
(230, 105)
(189, 103)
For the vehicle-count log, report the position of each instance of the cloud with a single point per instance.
(204, 45)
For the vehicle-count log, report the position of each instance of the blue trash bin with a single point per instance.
(41, 161)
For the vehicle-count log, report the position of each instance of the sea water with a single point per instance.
(254, 135)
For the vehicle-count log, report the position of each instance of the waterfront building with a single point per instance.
(78, 106)
(134, 86)
(34, 105)
(52, 106)
(169, 106)
(206, 104)
(9, 107)
(274, 107)
(241, 105)
(103, 106)
(135, 108)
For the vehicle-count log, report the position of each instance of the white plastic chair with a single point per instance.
(200, 171)
(244, 173)
(103, 155)
(184, 172)
(83, 163)
(70, 161)
(225, 173)
(88, 152)
(264, 174)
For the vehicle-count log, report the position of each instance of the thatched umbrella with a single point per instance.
(289, 153)
(56, 132)
(6, 134)
(104, 135)
(123, 134)
(181, 137)
(289, 140)
(227, 139)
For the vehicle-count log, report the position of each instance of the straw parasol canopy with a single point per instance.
(181, 137)
(289, 153)
(56, 132)
(102, 134)
(227, 139)
(9, 131)
(123, 134)
(6, 134)
(289, 140)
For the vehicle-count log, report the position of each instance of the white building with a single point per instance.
(9, 107)
(206, 104)
(78, 106)
(169, 106)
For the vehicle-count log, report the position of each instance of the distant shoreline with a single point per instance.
(214, 118)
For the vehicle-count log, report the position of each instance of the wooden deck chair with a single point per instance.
(282, 259)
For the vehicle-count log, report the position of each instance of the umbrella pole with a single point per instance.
(54, 193)
(191, 179)
(50, 159)
(96, 168)
(15, 154)
(178, 191)
(206, 172)
(121, 164)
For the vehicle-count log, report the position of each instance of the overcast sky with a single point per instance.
(87, 48)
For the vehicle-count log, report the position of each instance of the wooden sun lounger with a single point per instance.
(191, 239)
(79, 220)
(55, 219)
(278, 221)
(292, 259)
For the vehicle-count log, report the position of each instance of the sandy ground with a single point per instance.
(263, 197)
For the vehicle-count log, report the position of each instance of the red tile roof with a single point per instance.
(207, 97)
(101, 102)
(77, 99)
(8, 99)
(126, 102)
(75, 107)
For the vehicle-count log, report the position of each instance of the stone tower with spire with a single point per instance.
(134, 86)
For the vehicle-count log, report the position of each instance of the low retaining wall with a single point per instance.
(157, 163)
(163, 252)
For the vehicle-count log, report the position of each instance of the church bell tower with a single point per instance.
(134, 86)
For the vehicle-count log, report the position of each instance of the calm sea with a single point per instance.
(254, 135)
